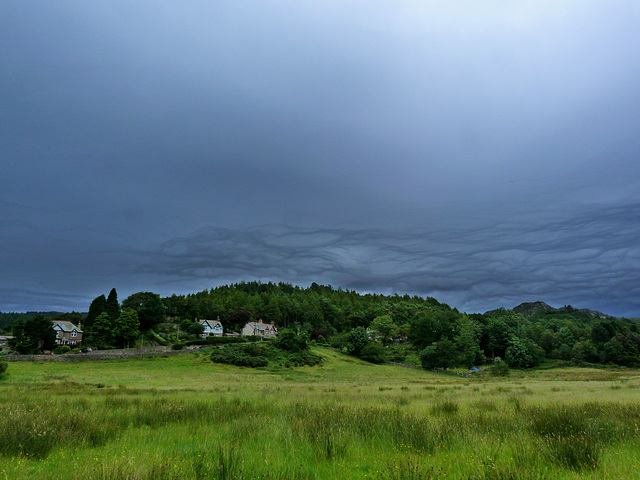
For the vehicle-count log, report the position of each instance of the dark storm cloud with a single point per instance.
(482, 153)
(475, 269)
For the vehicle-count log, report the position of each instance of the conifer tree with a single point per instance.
(98, 305)
(112, 307)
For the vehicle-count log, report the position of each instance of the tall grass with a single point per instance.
(310, 424)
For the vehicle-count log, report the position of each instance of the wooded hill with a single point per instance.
(405, 328)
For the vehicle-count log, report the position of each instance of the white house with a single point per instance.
(260, 329)
(211, 328)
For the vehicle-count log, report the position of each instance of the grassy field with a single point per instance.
(184, 417)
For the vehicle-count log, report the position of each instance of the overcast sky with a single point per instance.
(485, 153)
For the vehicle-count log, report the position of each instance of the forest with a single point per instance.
(378, 328)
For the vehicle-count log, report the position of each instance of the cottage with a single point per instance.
(4, 340)
(211, 328)
(260, 329)
(67, 333)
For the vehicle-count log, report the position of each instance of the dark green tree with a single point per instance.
(385, 328)
(98, 305)
(519, 354)
(373, 352)
(126, 328)
(112, 307)
(148, 306)
(440, 354)
(192, 328)
(467, 344)
(623, 349)
(34, 335)
(235, 321)
(357, 339)
(101, 335)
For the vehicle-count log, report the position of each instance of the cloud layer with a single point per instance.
(484, 156)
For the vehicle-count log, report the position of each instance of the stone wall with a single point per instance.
(99, 355)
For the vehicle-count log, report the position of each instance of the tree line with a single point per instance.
(375, 327)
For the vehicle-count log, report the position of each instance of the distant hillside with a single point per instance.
(529, 309)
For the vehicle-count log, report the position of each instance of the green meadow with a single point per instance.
(184, 417)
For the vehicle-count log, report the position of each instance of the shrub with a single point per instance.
(261, 355)
(3, 366)
(373, 352)
(290, 341)
(304, 358)
(62, 349)
(177, 346)
(499, 369)
(338, 341)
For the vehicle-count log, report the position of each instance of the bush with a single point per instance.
(62, 349)
(499, 369)
(290, 341)
(3, 366)
(373, 352)
(262, 354)
(177, 346)
(338, 341)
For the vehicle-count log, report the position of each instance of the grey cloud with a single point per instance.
(478, 153)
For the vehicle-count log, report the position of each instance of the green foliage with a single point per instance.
(623, 349)
(291, 341)
(3, 366)
(357, 339)
(192, 328)
(33, 335)
(157, 337)
(519, 354)
(148, 306)
(112, 307)
(261, 354)
(98, 306)
(373, 352)
(62, 349)
(126, 328)
(467, 343)
(385, 328)
(102, 332)
(441, 354)
(499, 369)
(239, 357)
(236, 321)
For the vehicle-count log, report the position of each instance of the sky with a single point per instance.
(485, 153)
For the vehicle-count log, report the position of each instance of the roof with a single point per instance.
(66, 326)
(261, 326)
(212, 323)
